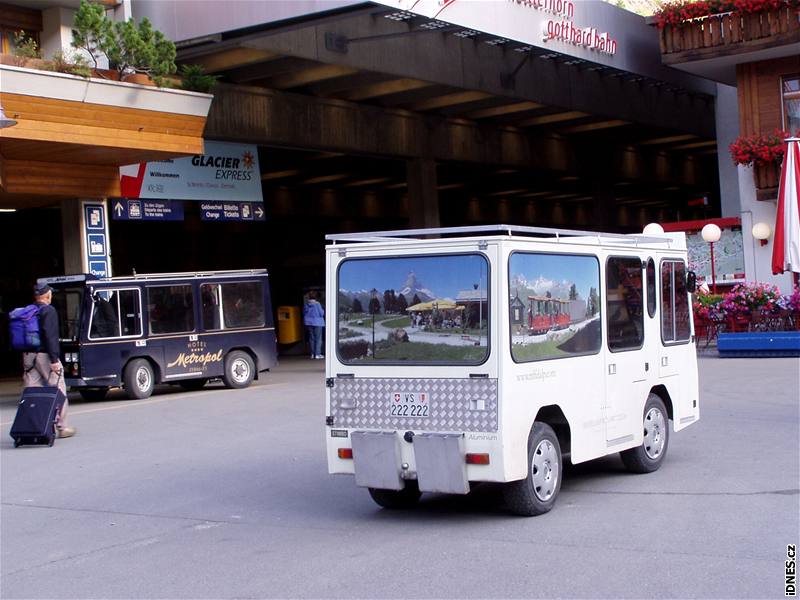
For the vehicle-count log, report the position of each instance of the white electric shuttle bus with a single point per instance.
(442, 371)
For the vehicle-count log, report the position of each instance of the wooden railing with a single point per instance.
(730, 32)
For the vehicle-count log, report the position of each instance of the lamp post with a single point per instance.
(711, 233)
(374, 298)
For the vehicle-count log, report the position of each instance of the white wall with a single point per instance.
(758, 258)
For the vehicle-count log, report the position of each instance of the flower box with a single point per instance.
(766, 175)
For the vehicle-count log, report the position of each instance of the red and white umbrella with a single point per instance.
(786, 246)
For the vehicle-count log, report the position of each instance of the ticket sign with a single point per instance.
(232, 211)
(226, 172)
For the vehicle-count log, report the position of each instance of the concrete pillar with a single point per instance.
(56, 34)
(727, 121)
(423, 198)
(602, 205)
(71, 228)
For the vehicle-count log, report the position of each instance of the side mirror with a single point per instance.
(691, 282)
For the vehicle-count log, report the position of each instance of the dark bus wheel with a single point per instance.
(649, 456)
(537, 493)
(397, 499)
(239, 370)
(93, 394)
(139, 379)
(192, 385)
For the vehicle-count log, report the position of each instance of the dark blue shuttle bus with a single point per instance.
(183, 328)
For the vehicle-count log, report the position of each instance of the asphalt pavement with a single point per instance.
(225, 494)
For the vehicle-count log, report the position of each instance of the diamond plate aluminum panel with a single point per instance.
(455, 404)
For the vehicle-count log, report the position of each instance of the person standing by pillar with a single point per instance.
(314, 320)
(43, 367)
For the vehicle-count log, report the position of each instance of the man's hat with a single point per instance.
(40, 289)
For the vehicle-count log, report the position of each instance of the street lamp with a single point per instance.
(762, 231)
(711, 233)
(374, 294)
(652, 228)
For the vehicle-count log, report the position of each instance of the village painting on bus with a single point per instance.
(554, 305)
(430, 309)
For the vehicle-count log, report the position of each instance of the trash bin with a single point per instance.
(290, 325)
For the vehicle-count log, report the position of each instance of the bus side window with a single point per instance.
(243, 304)
(209, 294)
(105, 322)
(625, 306)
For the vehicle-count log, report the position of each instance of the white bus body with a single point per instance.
(510, 348)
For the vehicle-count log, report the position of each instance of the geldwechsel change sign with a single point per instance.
(225, 172)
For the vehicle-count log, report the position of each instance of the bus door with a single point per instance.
(676, 352)
(626, 368)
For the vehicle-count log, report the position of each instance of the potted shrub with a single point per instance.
(194, 79)
(764, 152)
(131, 49)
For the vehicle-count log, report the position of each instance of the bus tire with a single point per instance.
(139, 379)
(239, 370)
(93, 394)
(648, 457)
(397, 499)
(192, 385)
(537, 492)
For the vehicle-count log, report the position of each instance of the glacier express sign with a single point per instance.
(543, 23)
(224, 172)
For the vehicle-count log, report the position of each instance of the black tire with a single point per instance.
(139, 379)
(192, 385)
(537, 493)
(649, 456)
(93, 394)
(397, 499)
(239, 370)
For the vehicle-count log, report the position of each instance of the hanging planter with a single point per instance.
(766, 175)
(764, 152)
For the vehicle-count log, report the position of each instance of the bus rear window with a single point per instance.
(416, 310)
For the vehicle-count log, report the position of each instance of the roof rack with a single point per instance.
(509, 230)
(148, 276)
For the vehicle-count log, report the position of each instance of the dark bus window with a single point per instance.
(624, 303)
(67, 302)
(115, 313)
(171, 309)
(674, 302)
(651, 288)
(211, 306)
(554, 306)
(243, 304)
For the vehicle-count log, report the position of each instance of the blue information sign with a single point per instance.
(147, 210)
(98, 254)
(232, 211)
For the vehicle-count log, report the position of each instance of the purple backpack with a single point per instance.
(24, 328)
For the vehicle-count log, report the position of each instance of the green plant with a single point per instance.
(71, 63)
(195, 79)
(25, 47)
(93, 31)
(129, 48)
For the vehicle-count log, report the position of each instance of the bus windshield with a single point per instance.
(421, 309)
(68, 301)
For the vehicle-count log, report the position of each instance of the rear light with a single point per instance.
(345, 453)
(477, 459)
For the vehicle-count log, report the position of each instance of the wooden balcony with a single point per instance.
(728, 34)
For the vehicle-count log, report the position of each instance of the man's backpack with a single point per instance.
(24, 328)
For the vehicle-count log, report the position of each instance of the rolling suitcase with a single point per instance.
(37, 416)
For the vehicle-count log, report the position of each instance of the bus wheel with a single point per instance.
(397, 499)
(537, 493)
(139, 379)
(93, 394)
(648, 457)
(239, 370)
(192, 385)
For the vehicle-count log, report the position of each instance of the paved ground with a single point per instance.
(225, 494)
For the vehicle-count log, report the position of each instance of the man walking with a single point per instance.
(43, 367)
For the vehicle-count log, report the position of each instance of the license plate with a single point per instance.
(409, 404)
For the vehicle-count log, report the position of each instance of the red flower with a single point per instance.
(680, 11)
(762, 148)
